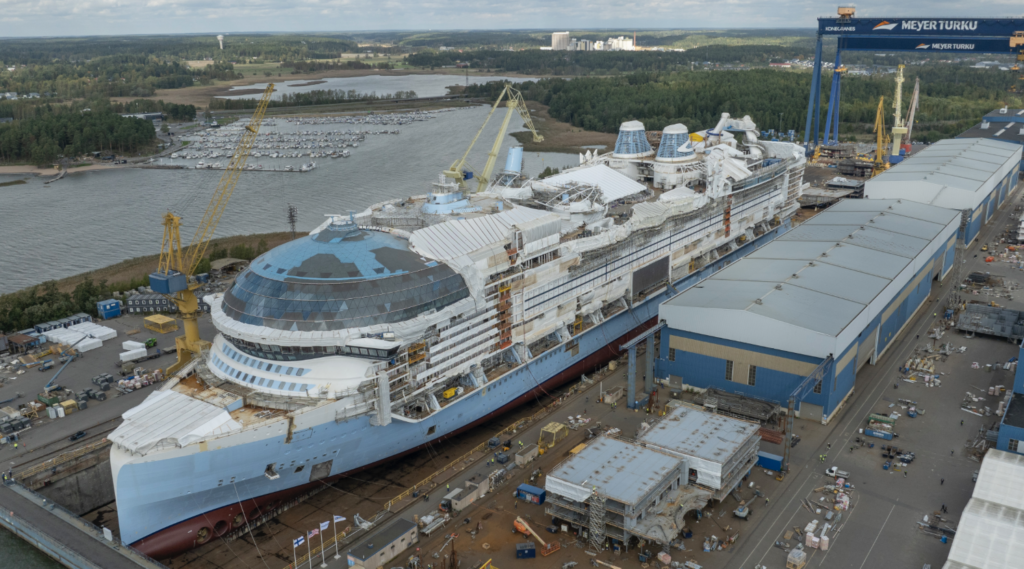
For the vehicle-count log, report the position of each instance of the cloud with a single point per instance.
(116, 17)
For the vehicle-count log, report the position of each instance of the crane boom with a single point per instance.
(913, 108)
(174, 277)
(881, 139)
(515, 102)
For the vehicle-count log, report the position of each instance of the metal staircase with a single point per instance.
(597, 521)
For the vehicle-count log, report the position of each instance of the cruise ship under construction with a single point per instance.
(386, 330)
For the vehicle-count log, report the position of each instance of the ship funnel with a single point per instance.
(675, 145)
(514, 162)
(632, 141)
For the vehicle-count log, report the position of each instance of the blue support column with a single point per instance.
(631, 379)
(649, 367)
(839, 90)
(833, 103)
(813, 100)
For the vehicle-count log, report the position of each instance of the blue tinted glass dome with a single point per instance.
(341, 277)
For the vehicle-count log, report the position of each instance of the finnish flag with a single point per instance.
(298, 542)
(339, 519)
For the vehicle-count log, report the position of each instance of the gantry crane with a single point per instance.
(898, 127)
(459, 170)
(175, 275)
(881, 140)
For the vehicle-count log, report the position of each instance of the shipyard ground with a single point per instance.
(881, 527)
(49, 437)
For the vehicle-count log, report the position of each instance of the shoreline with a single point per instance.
(18, 170)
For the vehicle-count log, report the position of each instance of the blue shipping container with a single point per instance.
(167, 283)
(108, 309)
(531, 493)
(878, 434)
(526, 550)
(769, 461)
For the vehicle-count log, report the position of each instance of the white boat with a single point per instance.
(200, 165)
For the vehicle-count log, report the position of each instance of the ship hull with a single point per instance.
(165, 502)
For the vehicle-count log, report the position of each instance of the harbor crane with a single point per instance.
(881, 140)
(460, 170)
(175, 276)
(899, 128)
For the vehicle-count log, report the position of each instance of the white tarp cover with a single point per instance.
(131, 345)
(131, 355)
(171, 419)
(990, 534)
(451, 239)
(89, 344)
(95, 330)
(566, 489)
(613, 185)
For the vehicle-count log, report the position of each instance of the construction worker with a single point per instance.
(520, 445)
(447, 486)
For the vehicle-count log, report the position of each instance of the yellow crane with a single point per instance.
(175, 274)
(898, 127)
(459, 170)
(881, 140)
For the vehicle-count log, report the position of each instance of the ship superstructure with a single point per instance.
(385, 330)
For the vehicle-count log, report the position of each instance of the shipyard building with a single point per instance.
(972, 175)
(1005, 125)
(616, 489)
(842, 285)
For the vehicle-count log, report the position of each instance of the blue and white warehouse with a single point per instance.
(965, 174)
(843, 284)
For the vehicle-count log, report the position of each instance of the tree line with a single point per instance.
(950, 97)
(111, 76)
(315, 97)
(311, 66)
(53, 131)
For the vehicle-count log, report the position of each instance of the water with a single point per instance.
(424, 85)
(90, 220)
(14, 552)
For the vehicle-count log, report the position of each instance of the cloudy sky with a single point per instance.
(117, 17)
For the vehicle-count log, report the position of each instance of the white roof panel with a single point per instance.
(458, 237)
(613, 185)
(169, 418)
(990, 534)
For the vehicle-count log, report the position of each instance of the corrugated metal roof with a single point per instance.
(619, 470)
(613, 185)
(817, 278)
(453, 239)
(957, 173)
(990, 534)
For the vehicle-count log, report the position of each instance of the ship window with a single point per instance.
(299, 469)
(307, 350)
(431, 430)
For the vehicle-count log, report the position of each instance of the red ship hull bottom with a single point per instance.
(200, 529)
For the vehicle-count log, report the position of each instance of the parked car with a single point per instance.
(76, 436)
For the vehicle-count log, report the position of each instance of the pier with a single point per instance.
(62, 535)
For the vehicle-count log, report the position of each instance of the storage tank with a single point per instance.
(514, 162)
(675, 153)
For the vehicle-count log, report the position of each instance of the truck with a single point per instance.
(834, 472)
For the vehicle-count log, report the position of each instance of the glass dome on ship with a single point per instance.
(341, 277)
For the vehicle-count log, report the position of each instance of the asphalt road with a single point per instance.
(881, 530)
(50, 436)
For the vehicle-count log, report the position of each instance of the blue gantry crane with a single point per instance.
(911, 34)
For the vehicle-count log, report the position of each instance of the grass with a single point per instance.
(12, 183)
(80, 164)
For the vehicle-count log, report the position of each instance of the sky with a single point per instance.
(27, 18)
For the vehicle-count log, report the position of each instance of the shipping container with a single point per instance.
(526, 550)
(878, 434)
(769, 461)
(531, 494)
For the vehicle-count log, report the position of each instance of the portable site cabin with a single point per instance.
(551, 434)
(526, 455)
(161, 324)
(108, 309)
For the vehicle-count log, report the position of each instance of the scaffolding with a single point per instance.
(597, 521)
(161, 324)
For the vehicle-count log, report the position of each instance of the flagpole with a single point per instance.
(323, 557)
(337, 550)
(309, 552)
(295, 559)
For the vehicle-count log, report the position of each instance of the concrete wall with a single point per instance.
(81, 485)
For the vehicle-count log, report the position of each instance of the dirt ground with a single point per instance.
(49, 171)
(560, 136)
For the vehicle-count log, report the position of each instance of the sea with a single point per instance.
(17, 553)
(90, 220)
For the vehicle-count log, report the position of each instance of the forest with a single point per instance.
(52, 131)
(316, 97)
(111, 76)
(173, 112)
(952, 98)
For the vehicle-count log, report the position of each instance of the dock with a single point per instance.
(173, 167)
(65, 537)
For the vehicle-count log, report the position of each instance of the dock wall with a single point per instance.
(80, 480)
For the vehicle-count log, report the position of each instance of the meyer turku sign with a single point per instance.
(1002, 27)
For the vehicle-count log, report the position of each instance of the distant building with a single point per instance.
(381, 547)
(620, 43)
(1003, 124)
(786, 65)
(560, 41)
(157, 118)
(5, 120)
(142, 303)
(581, 45)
